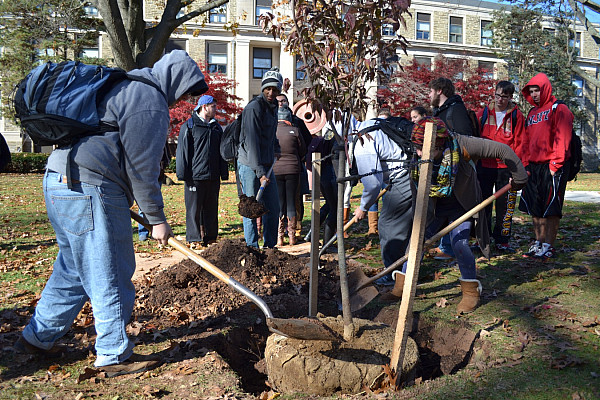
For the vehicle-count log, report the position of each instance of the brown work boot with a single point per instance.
(280, 232)
(24, 347)
(133, 365)
(292, 230)
(471, 291)
(396, 293)
(259, 226)
(373, 220)
(346, 219)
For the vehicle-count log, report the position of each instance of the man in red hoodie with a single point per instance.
(548, 131)
(501, 121)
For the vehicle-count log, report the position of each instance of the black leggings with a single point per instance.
(287, 186)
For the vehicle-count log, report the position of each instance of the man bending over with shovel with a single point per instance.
(454, 191)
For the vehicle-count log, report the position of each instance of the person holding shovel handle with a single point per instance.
(454, 190)
(258, 149)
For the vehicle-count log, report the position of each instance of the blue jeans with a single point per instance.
(270, 199)
(95, 261)
(446, 245)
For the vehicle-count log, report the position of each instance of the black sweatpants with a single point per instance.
(202, 209)
(491, 180)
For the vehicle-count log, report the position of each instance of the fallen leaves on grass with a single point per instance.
(88, 373)
(442, 303)
(564, 361)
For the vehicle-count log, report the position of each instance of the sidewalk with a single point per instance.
(585, 197)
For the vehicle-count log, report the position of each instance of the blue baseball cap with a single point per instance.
(206, 99)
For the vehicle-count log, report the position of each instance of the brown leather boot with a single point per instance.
(280, 232)
(292, 230)
(471, 291)
(396, 293)
(259, 226)
(346, 219)
(373, 220)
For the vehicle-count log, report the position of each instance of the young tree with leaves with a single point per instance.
(342, 46)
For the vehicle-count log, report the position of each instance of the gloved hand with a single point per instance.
(516, 186)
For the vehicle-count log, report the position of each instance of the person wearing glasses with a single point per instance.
(501, 121)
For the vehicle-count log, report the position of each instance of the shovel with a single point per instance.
(251, 207)
(303, 329)
(361, 290)
(353, 220)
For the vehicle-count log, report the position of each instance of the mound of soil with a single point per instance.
(186, 292)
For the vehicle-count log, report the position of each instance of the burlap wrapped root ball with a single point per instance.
(324, 367)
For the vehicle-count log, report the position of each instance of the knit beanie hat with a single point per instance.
(418, 132)
(284, 114)
(272, 78)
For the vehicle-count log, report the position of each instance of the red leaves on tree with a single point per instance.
(410, 87)
(220, 87)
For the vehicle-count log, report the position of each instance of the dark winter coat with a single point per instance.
(293, 149)
(258, 139)
(198, 155)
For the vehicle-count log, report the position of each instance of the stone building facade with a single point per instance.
(455, 28)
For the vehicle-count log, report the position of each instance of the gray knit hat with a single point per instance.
(272, 78)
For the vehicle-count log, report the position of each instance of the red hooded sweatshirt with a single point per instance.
(548, 132)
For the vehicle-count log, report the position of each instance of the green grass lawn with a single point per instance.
(540, 333)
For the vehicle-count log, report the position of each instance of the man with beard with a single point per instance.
(449, 107)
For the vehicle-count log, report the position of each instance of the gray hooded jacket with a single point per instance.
(130, 156)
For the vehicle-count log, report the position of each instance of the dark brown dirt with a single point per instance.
(250, 208)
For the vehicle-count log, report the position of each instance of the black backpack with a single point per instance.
(398, 129)
(230, 140)
(56, 104)
(576, 149)
(484, 117)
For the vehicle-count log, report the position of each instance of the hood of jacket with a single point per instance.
(176, 73)
(543, 82)
(449, 102)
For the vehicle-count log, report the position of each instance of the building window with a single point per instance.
(175, 44)
(300, 74)
(423, 26)
(456, 30)
(486, 33)
(487, 68)
(262, 61)
(90, 53)
(423, 62)
(90, 11)
(579, 84)
(262, 6)
(575, 41)
(387, 30)
(217, 57)
(218, 15)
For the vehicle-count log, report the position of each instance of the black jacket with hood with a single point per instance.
(454, 114)
(198, 155)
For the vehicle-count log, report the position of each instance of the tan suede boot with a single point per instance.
(396, 293)
(346, 219)
(292, 230)
(280, 232)
(471, 291)
(373, 220)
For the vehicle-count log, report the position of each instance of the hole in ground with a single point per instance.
(444, 348)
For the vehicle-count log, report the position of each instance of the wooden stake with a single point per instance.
(404, 324)
(315, 222)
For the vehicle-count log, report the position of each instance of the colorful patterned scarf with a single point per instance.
(443, 182)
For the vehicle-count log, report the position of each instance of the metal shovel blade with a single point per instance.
(303, 329)
(360, 289)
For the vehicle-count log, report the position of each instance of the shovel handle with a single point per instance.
(434, 239)
(210, 268)
(353, 220)
(264, 184)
